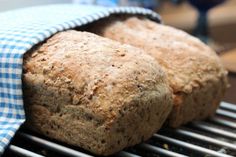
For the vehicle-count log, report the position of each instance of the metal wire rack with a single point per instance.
(215, 137)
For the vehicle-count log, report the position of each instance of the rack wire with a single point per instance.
(213, 137)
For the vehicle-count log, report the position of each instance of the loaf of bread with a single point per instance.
(93, 92)
(194, 71)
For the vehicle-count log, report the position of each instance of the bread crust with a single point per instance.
(194, 71)
(93, 92)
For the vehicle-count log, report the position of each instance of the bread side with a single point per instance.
(194, 71)
(95, 93)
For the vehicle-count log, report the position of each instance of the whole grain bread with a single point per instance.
(194, 71)
(93, 92)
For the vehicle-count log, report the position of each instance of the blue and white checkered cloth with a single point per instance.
(20, 30)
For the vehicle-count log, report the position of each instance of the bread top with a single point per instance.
(102, 75)
(188, 62)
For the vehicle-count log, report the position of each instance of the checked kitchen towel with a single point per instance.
(20, 30)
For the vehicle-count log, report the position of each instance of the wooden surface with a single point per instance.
(184, 16)
(222, 20)
(230, 95)
(222, 27)
(229, 60)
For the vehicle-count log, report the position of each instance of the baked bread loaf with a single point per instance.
(93, 92)
(194, 71)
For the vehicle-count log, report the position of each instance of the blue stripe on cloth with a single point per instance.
(21, 35)
(10, 75)
(12, 47)
(10, 65)
(10, 96)
(15, 40)
(10, 85)
(20, 30)
(2, 105)
(9, 56)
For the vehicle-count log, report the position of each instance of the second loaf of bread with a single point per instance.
(194, 71)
